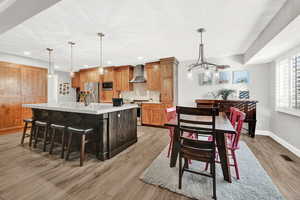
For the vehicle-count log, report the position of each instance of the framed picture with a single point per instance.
(224, 77)
(240, 77)
(206, 78)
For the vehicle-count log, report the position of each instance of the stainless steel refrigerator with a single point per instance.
(94, 89)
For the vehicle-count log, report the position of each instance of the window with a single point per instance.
(288, 84)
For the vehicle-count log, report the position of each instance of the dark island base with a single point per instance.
(115, 131)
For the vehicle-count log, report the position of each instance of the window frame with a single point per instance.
(289, 56)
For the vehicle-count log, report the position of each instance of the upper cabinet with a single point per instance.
(108, 74)
(153, 76)
(122, 76)
(167, 67)
(88, 75)
(76, 80)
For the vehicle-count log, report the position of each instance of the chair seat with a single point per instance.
(40, 123)
(80, 130)
(57, 126)
(28, 120)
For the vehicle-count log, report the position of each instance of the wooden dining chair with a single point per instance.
(192, 149)
(233, 143)
(170, 114)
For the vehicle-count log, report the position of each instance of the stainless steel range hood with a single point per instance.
(138, 74)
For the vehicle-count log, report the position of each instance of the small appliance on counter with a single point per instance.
(117, 101)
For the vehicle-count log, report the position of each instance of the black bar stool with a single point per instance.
(28, 124)
(83, 133)
(41, 127)
(58, 129)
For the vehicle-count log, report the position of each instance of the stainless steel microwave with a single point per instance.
(107, 85)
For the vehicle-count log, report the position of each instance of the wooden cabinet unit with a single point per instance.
(122, 76)
(88, 75)
(153, 114)
(108, 74)
(167, 66)
(107, 96)
(153, 76)
(76, 80)
(19, 84)
(122, 130)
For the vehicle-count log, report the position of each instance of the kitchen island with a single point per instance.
(115, 127)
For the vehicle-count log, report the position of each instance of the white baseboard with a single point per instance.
(281, 141)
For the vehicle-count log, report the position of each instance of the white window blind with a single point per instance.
(288, 83)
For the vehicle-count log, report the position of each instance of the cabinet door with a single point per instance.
(76, 80)
(10, 79)
(146, 116)
(118, 80)
(167, 82)
(107, 96)
(10, 112)
(153, 76)
(108, 75)
(167, 90)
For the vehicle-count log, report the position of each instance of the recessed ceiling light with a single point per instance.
(109, 62)
(27, 53)
(140, 58)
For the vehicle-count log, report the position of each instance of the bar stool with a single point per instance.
(41, 127)
(83, 133)
(25, 134)
(57, 129)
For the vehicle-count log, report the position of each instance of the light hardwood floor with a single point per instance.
(31, 174)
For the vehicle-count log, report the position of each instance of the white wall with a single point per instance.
(189, 88)
(285, 126)
(64, 77)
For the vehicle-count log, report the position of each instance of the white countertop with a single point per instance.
(93, 108)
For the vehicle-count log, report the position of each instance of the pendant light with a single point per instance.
(201, 62)
(50, 67)
(101, 70)
(71, 58)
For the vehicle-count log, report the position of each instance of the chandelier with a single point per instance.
(201, 62)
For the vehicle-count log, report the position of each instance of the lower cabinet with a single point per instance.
(122, 130)
(154, 114)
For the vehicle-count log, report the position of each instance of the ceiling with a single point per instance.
(139, 28)
(286, 40)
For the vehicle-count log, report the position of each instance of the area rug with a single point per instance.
(254, 183)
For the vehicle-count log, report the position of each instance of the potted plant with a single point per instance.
(224, 93)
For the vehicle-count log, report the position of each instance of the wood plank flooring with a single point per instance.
(33, 175)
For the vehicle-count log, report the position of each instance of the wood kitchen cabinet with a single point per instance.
(76, 80)
(89, 75)
(20, 84)
(108, 74)
(122, 131)
(167, 67)
(153, 76)
(153, 114)
(122, 76)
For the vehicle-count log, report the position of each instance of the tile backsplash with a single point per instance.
(140, 92)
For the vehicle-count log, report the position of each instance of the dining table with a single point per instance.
(223, 126)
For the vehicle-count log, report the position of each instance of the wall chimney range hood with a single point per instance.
(138, 74)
